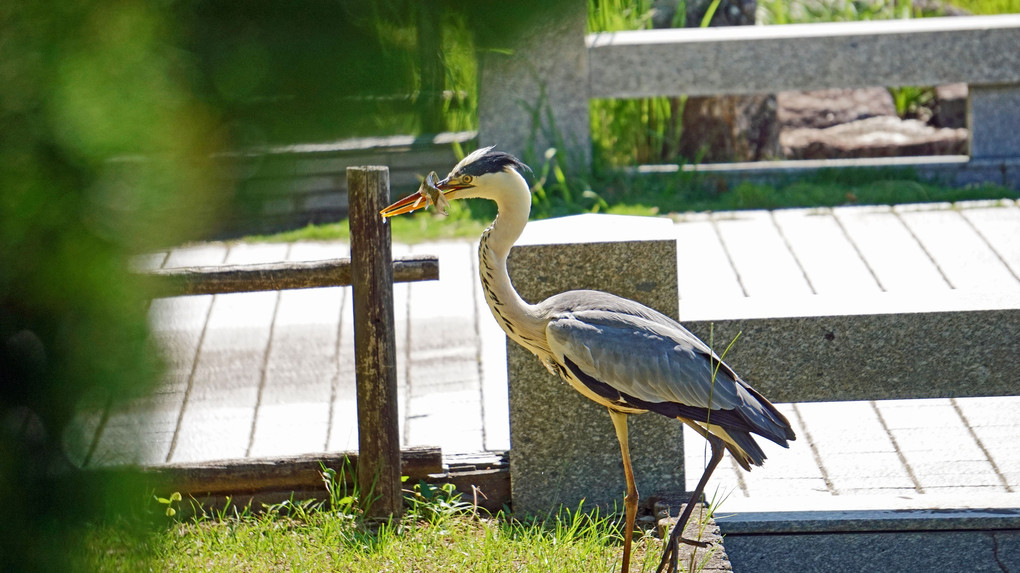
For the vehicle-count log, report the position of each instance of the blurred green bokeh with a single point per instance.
(116, 119)
(102, 145)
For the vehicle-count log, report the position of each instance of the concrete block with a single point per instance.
(563, 448)
(536, 95)
(975, 551)
(819, 358)
(709, 61)
(874, 540)
(994, 121)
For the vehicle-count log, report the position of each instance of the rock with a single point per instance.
(873, 137)
(950, 106)
(825, 108)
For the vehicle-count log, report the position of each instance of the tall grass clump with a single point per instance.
(631, 131)
(439, 532)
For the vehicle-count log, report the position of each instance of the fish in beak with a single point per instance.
(432, 192)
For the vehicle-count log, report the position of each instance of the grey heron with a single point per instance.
(617, 352)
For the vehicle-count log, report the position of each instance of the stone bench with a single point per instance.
(981, 51)
(816, 348)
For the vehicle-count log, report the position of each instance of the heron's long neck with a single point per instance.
(520, 320)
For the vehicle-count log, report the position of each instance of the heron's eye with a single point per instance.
(466, 179)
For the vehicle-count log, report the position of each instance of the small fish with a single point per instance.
(433, 194)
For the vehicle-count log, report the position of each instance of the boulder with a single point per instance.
(819, 109)
(882, 136)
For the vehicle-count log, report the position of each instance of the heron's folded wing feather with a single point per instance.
(644, 359)
(656, 364)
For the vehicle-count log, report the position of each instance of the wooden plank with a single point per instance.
(764, 264)
(224, 382)
(704, 271)
(343, 423)
(388, 143)
(966, 260)
(293, 410)
(289, 473)
(829, 260)
(487, 488)
(404, 160)
(374, 340)
(280, 276)
(197, 255)
(894, 256)
(998, 223)
(442, 370)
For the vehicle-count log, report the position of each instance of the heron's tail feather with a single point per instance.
(739, 444)
(771, 423)
(744, 449)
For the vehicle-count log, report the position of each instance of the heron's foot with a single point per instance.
(671, 555)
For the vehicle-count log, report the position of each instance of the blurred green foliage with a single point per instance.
(988, 6)
(102, 143)
(116, 119)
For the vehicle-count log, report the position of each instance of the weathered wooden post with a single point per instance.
(374, 341)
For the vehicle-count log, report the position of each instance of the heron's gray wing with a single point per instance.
(640, 358)
(655, 363)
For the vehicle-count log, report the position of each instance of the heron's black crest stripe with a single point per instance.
(493, 162)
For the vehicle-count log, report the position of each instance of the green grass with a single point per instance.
(621, 194)
(328, 542)
(439, 533)
(465, 220)
(988, 6)
(826, 188)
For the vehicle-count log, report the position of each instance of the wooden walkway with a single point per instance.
(271, 374)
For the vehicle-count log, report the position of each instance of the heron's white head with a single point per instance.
(485, 174)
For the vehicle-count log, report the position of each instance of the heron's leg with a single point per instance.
(672, 551)
(631, 500)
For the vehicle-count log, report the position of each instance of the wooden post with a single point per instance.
(374, 342)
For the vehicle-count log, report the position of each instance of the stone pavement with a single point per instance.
(271, 374)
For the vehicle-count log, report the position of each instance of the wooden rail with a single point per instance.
(283, 474)
(371, 272)
(483, 478)
(280, 276)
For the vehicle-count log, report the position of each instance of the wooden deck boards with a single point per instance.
(271, 374)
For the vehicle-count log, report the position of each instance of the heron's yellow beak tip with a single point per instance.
(406, 205)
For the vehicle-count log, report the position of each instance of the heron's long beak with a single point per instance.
(412, 202)
(418, 200)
